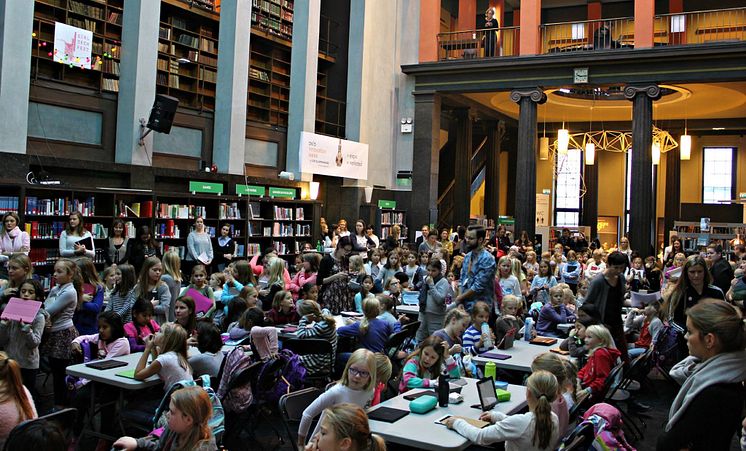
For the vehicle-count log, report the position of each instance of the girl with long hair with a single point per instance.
(372, 333)
(116, 251)
(198, 282)
(123, 296)
(345, 426)
(90, 303)
(151, 287)
(425, 364)
(20, 269)
(172, 277)
(693, 285)
(16, 404)
(275, 282)
(307, 274)
(13, 240)
(602, 358)
(185, 316)
(169, 353)
(72, 235)
(142, 247)
(315, 323)
(142, 325)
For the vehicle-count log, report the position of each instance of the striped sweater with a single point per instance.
(413, 376)
(316, 363)
(470, 339)
(122, 305)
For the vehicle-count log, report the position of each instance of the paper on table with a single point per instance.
(127, 373)
(201, 302)
(21, 310)
(472, 421)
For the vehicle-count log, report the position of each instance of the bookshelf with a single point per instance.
(268, 98)
(555, 233)
(692, 237)
(387, 218)
(330, 112)
(274, 17)
(103, 18)
(187, 66)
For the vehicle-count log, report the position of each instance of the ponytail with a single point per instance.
(371, 309)
(377, 443)
(544, 388)
(11, 387)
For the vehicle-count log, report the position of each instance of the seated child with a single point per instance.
(426, 363)
(651, 326)
(602, 358)
(475, 338)
(241, 329)
(142, 326)
(210, 356)
(553, 314)
(509, 320)
(283, 310)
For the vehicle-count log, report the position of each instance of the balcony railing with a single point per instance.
(701, 27)
(588, 35)
(484, 43)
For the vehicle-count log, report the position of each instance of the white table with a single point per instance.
(523, 354)
(339, 319)
(421, 431)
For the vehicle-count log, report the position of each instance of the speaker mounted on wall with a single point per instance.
(161, 116)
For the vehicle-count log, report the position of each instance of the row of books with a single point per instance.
(209, 60)
(86, 24)
(8, 203)
(386, 231)
(390, 217)
(283, 213)
(164, 33)
(59, 206)
(208, 75)
(111, 67)
(87, 10)
(188, 40)
(110, 84)
(116, 18)
(253, 249)
(177, 211)
(41, 256)
(136, 209)
(207, 45)
(229, 211)
(167, 229)
(286, 248)
(53, 230)
(258, 74)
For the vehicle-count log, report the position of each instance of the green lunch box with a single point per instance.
(424, 404)
(502, 395)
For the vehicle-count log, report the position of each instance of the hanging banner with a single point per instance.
(72, 45)
(336, 157)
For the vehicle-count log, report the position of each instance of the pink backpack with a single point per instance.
(236, 398)
(609, 433)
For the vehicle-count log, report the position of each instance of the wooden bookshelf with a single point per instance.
(268, 98)
(187, 66)
(274, 17)
(330, 113)
(103, 18)
(386, 218)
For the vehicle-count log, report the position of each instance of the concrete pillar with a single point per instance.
(304, 63)
(644, 23)
(672, 201)
(16, 26)
(467, 15)
(492, 173)
(590, 199)
(429, 29)
(530, 20)
(137, 80)
(525, 187)
(462, 174)
(424, 209)
(642, 202)
(232, 86)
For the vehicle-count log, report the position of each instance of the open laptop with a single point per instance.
(487, 394)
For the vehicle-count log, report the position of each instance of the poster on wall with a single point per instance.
(542, 209)
(72, 45)
(336, 157)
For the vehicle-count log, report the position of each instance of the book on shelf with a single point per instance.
(136, 209)
(116, 18)
(240, 250)
(129, 229)
(302, 230)
(8, 203)
(390, 217)
(255, 210)
(168, 229)
(45, 230)
(267, 231)
(177, 211)
(252, 248)
(299, 214)
(180, 250)
(188, 40)
(98, 231)
(40, 256)
(110, 84)
(179, 22)
(164, 33)
(207, 45)
(59, 206)
(86, 10)
(280, 229)
(208, 60)
(283, 213)
(229, 211)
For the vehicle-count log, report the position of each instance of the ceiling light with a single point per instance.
(590, 154)
(686, 146)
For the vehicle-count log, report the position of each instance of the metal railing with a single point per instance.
(701, 27)
(588, 35)
(483, 43)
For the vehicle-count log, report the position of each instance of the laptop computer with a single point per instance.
(487, 394)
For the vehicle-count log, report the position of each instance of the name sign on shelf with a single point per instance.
(250, 190)
(386, 203)
(205, 187)
(281, 192)
(336, 157)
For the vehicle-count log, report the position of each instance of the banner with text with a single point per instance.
(325, 155)
(72, 45)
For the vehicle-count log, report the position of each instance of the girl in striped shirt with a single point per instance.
(425, 364)
(316, 324)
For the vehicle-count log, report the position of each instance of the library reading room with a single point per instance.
(370, 225)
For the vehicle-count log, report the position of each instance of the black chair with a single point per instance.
(64, 419)
(292, 406)
(308, 346)
(579, 438)
(615, 391)
(411, 327)
(581, 405)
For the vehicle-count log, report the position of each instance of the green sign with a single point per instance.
(386, 203)
(250, 190)
(282, 192)
(506, 220)
(404, 181)
(205, 187)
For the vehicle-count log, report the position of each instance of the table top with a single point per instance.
(421, 431)
(523, 354)
(109, 377)
(408, 309)
(289, 335)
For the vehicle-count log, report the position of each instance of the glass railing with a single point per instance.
(588, 35)
(484, 43)
(701, 27)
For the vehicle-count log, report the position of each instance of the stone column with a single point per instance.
(673, 190)
(462, 173)
(424, 208)
(16, 26)
(233, 83)
(494, 131)
(304, 63)
(525, 187)
(137, 80)
(642, 198)
(590, 199)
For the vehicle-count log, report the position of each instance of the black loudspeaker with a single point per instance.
(163, 112)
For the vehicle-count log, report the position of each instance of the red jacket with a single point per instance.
(645, 339)
(594, 373)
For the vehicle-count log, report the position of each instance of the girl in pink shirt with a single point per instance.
(16, 404)
(142, 326)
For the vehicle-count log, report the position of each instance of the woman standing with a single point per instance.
(693, 285)
(363, 242)
(12, 239)
(70, 238)
(225, 248)
(624, 248)
(116, 252)
(707, 410)
(524, 243)
(392, 241)
(199, 247)
(446, 244)
(490, 33)
(332, 278)
(142, 248)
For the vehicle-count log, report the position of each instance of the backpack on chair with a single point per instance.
(216, 421)
(279, 376)
(236, 397)
(608, 425)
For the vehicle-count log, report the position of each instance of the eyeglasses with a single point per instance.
(359, 373)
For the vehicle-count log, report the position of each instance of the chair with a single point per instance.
(65, 419)
(618, 379)
(579, 438)
(412, 327)
(580, 406)
(292, 406)
(308, 346)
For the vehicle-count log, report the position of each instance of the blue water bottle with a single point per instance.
(528, 326)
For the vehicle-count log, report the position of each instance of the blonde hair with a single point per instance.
(457, 314)
(551, 362)
(544, 388)
(174, 339)
(350, 421)
(510, 299)
(194, 403)
(356, 263)
(371, 309)
(383, 368)
(603, 334)
(172, 265)
(556, 289)
(312, 308)
(365, 357)
(502, 260)
(571, 377)
(276, 270)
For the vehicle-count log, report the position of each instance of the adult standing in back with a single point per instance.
(199, 247)
(478, 271)
(607, 294)
(332, 278)
(720, 269)
(142, 247)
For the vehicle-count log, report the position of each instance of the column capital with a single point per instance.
(652, 90)
(535, 94)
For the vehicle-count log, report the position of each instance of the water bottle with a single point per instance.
(487, 343)
(528, 326)
(319, 246)
(443, 389)
(490, 370)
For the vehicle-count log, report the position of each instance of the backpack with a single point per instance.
(607, 425)
(75, 383)
(667, 344)
(217, 420)
(238, 398)
(279, 376)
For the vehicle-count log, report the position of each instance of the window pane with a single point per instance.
(578, 31)
(567, 193)
(717, 174)
(567, 219)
